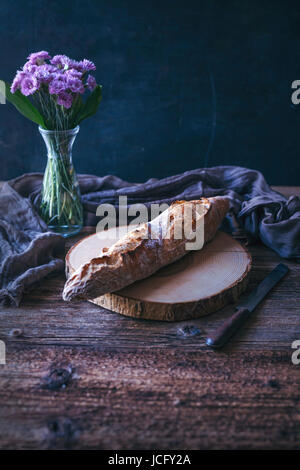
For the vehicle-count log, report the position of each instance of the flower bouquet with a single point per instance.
(49, 91)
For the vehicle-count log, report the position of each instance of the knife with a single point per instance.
(233, 323)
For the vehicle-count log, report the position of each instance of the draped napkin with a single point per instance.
(28, 252)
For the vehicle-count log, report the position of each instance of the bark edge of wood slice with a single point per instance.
(198, 284)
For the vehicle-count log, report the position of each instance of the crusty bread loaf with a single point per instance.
(145, 250)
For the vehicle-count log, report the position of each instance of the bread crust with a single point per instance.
(145, 250)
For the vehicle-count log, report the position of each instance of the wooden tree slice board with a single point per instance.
(199, 283)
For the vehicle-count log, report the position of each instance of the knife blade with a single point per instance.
(244, 309)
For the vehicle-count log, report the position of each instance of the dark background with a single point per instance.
(186, 84)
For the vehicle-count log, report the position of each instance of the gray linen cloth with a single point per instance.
(28, 252)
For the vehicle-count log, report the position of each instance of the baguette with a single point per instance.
(137, 255)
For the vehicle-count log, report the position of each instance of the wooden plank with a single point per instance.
(78, 376)
(59, 397)
(288, 190)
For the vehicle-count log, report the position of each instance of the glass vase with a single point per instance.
(61, 206)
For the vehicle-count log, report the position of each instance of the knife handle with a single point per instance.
(228, 328)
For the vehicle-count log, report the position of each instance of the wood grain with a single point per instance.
(78, 376)
(158, 399)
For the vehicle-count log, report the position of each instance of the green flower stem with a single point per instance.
(61, 202)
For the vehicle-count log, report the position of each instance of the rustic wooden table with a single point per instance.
(78, 376)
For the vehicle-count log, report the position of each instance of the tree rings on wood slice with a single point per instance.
(198, 284)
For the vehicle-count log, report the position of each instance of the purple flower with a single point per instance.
(62, 62)
(38, 58)
(60, 76)
(65, 99)
(16, 84)
(86, 65)
(59, 60)
(75, 85)
(91, 83)
(29, 67)
(58, 84)
(73, 73)
(29, 85)
(45, 73)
